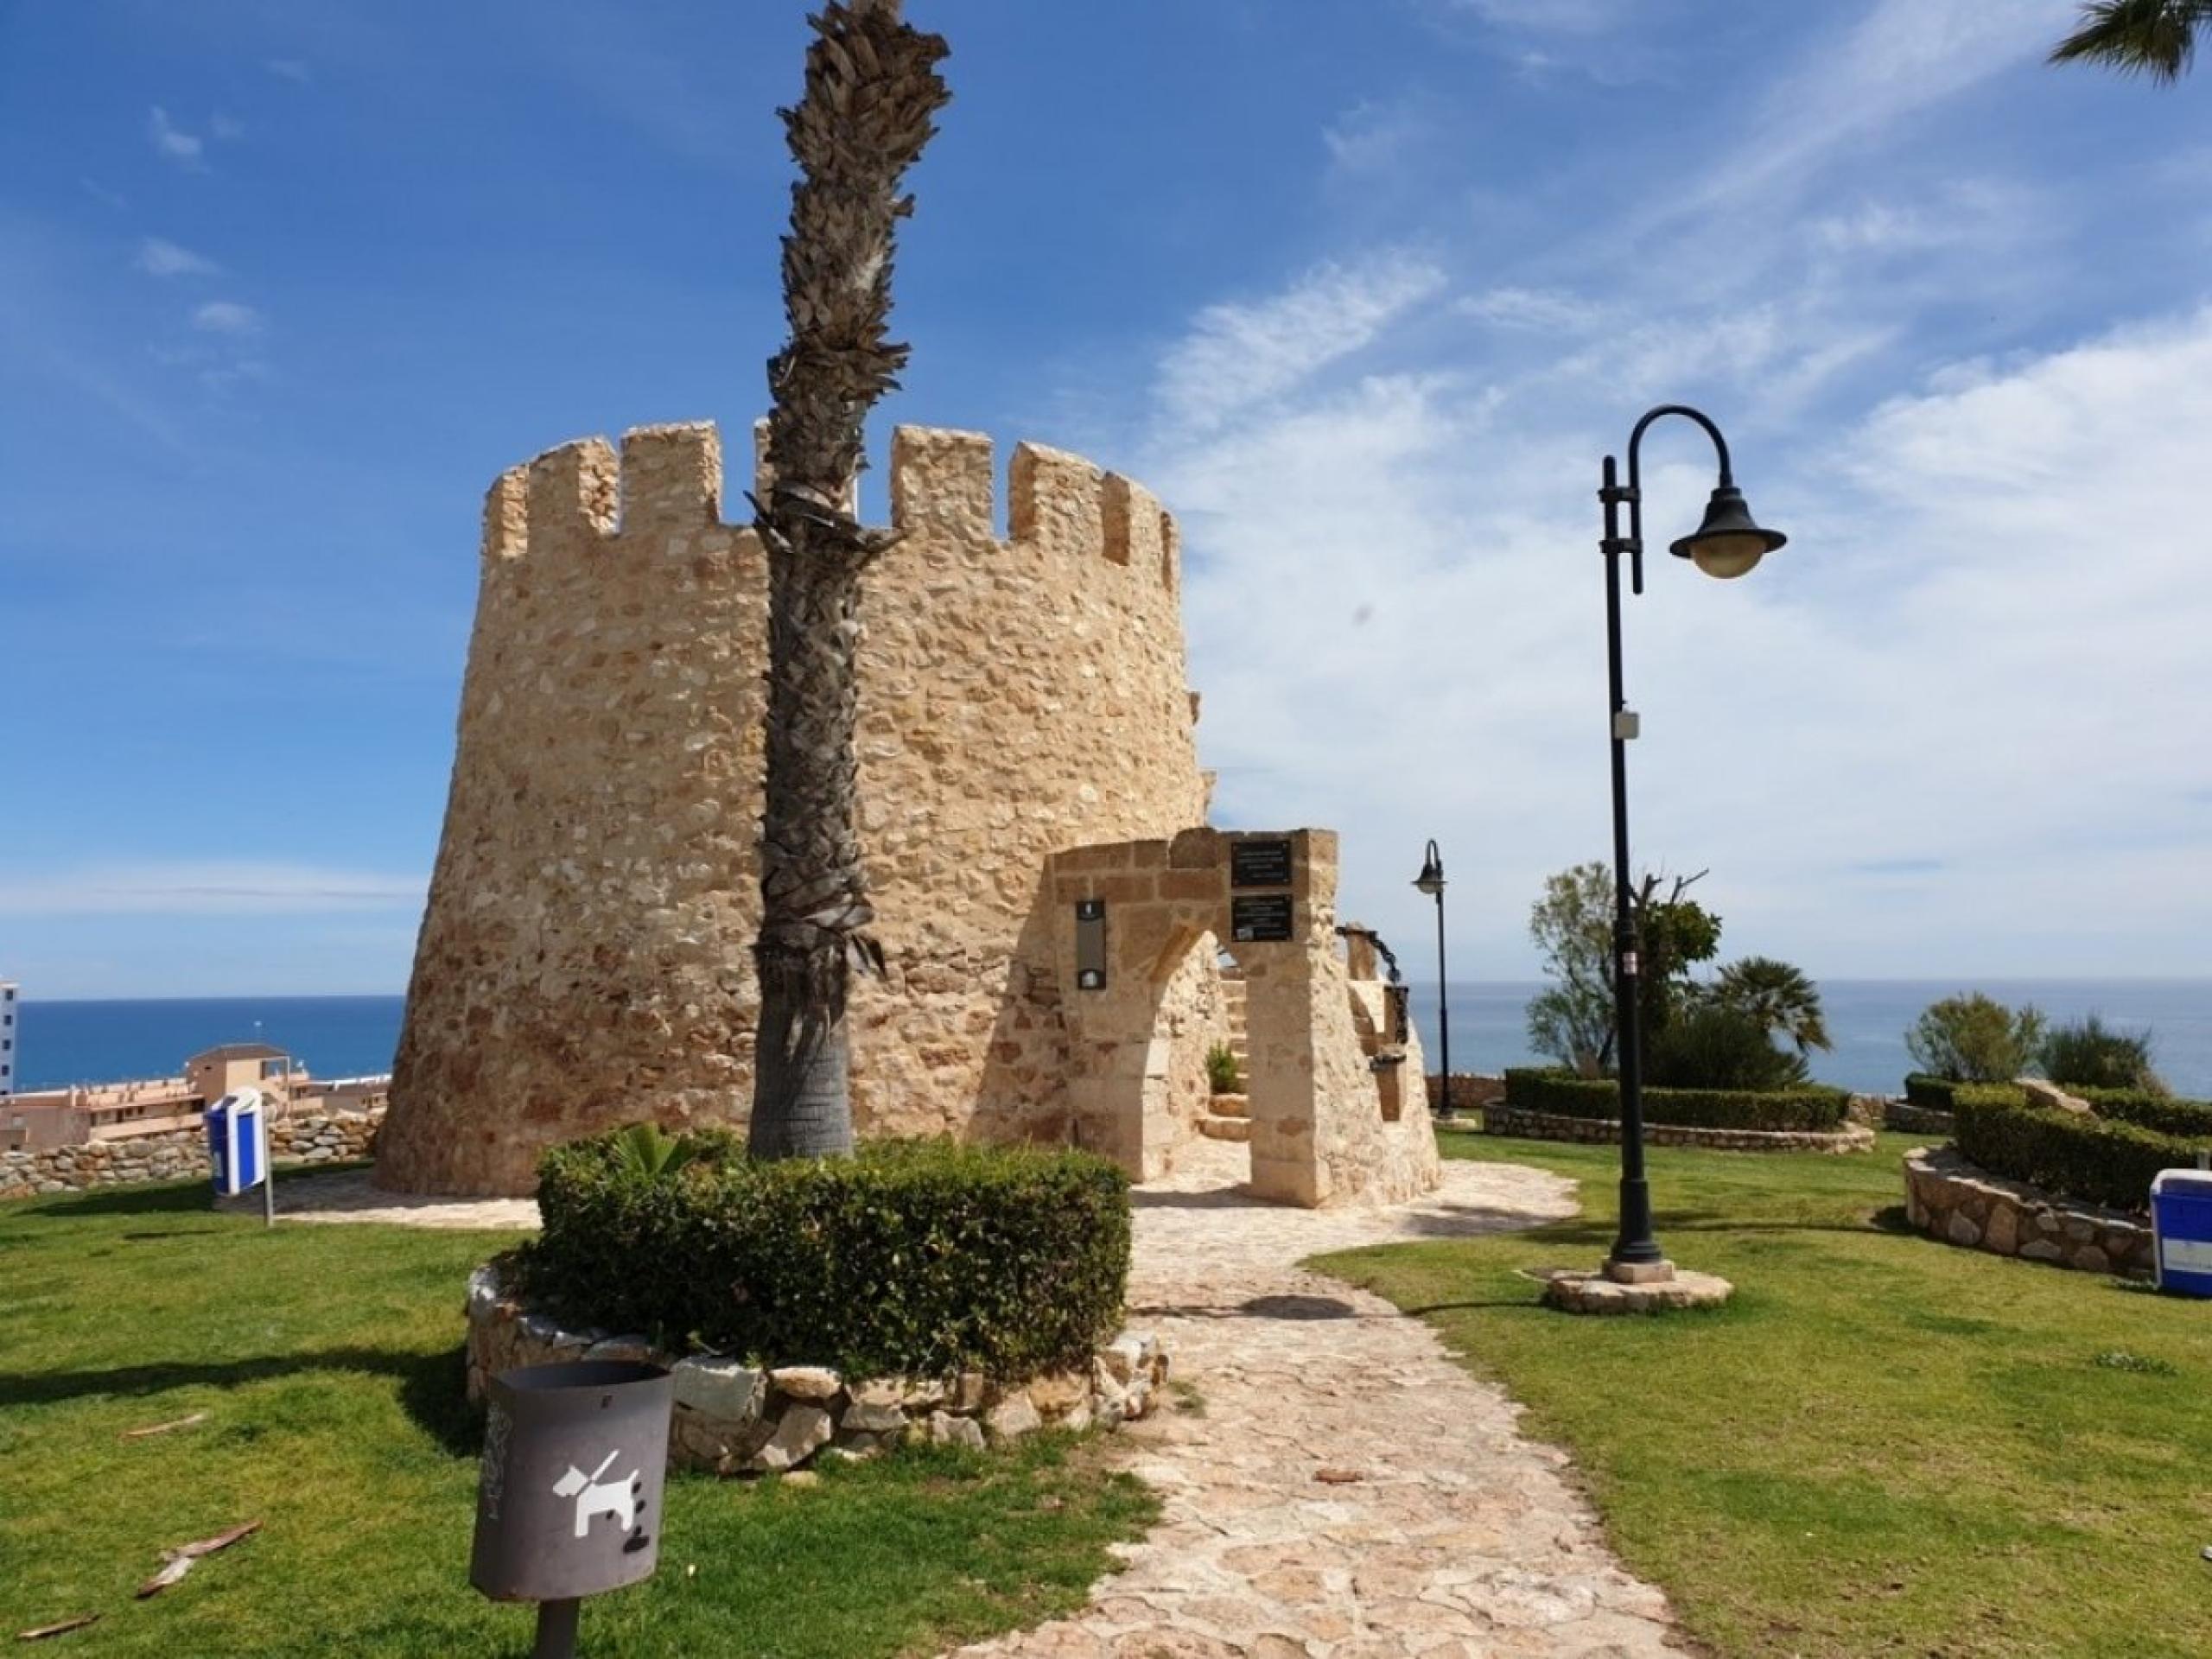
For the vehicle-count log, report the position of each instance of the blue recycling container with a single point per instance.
(2181, 1225)
(238, 1145)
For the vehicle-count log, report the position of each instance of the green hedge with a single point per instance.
(2096, 1160)
(2189, 1118)
(1921, 1090)
(1810, 1107)
(919, 1257)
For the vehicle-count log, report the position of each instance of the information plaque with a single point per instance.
(1260, 917)
(1258, 863)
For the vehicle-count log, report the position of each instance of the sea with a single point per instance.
(61, 1042)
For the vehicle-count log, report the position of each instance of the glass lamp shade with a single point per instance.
(1729, 542)
(1430, 879)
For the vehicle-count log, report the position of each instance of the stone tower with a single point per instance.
(585, 958)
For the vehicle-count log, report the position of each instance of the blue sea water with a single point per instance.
(1867, 1019)
(344, 1036)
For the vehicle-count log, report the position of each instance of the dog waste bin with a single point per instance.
(237, 1144)
(568, 1498)
(2181, 1228)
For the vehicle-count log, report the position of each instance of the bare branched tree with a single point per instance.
(872, 88)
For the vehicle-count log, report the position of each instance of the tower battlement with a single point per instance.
(944, 485)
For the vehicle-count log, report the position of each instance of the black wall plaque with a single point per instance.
(1259, 864)
(1260, 918)
(1091, 944)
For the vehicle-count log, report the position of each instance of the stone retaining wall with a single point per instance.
(1907, 1119)
(732, 1418)
(1559, 1126)
(1470, 1093)
(1948, 1198)
(302, 1138)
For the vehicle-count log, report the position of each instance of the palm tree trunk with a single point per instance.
(871, 88)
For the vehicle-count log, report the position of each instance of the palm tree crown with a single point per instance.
(2156, 38)
(1780, 997)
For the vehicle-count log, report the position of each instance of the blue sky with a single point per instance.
(1363, 287)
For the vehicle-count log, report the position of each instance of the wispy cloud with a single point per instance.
(226, 317)
(1370, 136)
(1236, 355)
(172, 143)
(1551, 311)
(289, 69)
(158, 257)
(225, 127)
(1559, 16)
(205, 889)
(105, 196)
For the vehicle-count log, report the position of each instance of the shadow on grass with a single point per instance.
(183, 1198)
(432, 1388)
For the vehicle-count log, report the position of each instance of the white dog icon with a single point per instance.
(593, 1499)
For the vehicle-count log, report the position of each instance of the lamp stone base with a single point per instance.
(1598, 1293)
(1640, 1273)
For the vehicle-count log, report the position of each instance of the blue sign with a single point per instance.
(2181, 1218)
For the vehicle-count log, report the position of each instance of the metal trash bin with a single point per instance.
(2181, 1229)
(568, 1498)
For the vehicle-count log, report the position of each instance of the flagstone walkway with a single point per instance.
(1344, 1489)
(1348, 1491)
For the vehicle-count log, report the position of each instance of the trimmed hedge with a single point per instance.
(2097, 1159)
(1934, 1093)
(920, 1258)
(2189, 1118)
(1810, 1107)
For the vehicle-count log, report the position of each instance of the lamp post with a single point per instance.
(1727, 544)
(1431, 882)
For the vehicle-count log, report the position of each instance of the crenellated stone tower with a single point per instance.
(585, 959)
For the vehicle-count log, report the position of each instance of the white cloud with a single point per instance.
(215, 888)
(226, 317)
(158, 257)
(1238, 355)
(1560, 17)
(172, 141)
(1369, 138)
(1548, 311)
(225, 127)
(288, 69)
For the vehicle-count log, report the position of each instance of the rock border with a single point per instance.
(1959, 1203)
(1559, 1126)
(296, 1138)
(732, 1418)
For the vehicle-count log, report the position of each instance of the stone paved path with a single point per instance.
(1457, 1538)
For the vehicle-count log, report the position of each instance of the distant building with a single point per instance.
(7, 1037)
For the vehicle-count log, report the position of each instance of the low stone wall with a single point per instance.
(1470, 1093)
(1559, 1126)
(1907, 1119)
(1948, 1198)
(732, 1418)
(302, 1138)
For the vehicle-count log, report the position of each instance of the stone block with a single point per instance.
(725, 1390)
(1012, 1418)
(800, 1432)
(806, 1381)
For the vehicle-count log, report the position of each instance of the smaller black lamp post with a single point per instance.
(1431, 882)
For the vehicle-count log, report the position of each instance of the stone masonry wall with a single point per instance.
(1562, 1126)
(304, 1138)
(585, 958)
(1959, 1202)
(732, 1418)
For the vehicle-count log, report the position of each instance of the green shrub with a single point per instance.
(2088, 1053)
(1222, 1076)
(2187, 1118)
(2096, 1160)
(1974, 1039)
(917, 1257)
(1714, 1044)
(1807, 1108)
(1921, 1090)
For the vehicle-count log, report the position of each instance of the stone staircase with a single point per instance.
(1229, 1116)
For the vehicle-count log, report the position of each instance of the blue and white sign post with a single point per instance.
(238, 1149)
(2181, 1225)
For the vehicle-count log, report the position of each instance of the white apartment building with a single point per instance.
(8, 1034)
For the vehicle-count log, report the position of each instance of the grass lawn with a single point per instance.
(1882, 1445)
(327, 1360)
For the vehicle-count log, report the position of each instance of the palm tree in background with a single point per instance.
(871, 87)
(2156, 38)
(1780, 997)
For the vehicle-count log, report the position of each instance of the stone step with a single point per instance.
(1225, 1128)
(1229, 1105)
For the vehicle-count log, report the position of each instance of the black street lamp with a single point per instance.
(1431, 882)
(1727, 544)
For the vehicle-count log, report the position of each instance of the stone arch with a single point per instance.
(1130, 920)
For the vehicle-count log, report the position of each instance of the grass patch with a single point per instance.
(327, 1360)
(1882, 1445)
